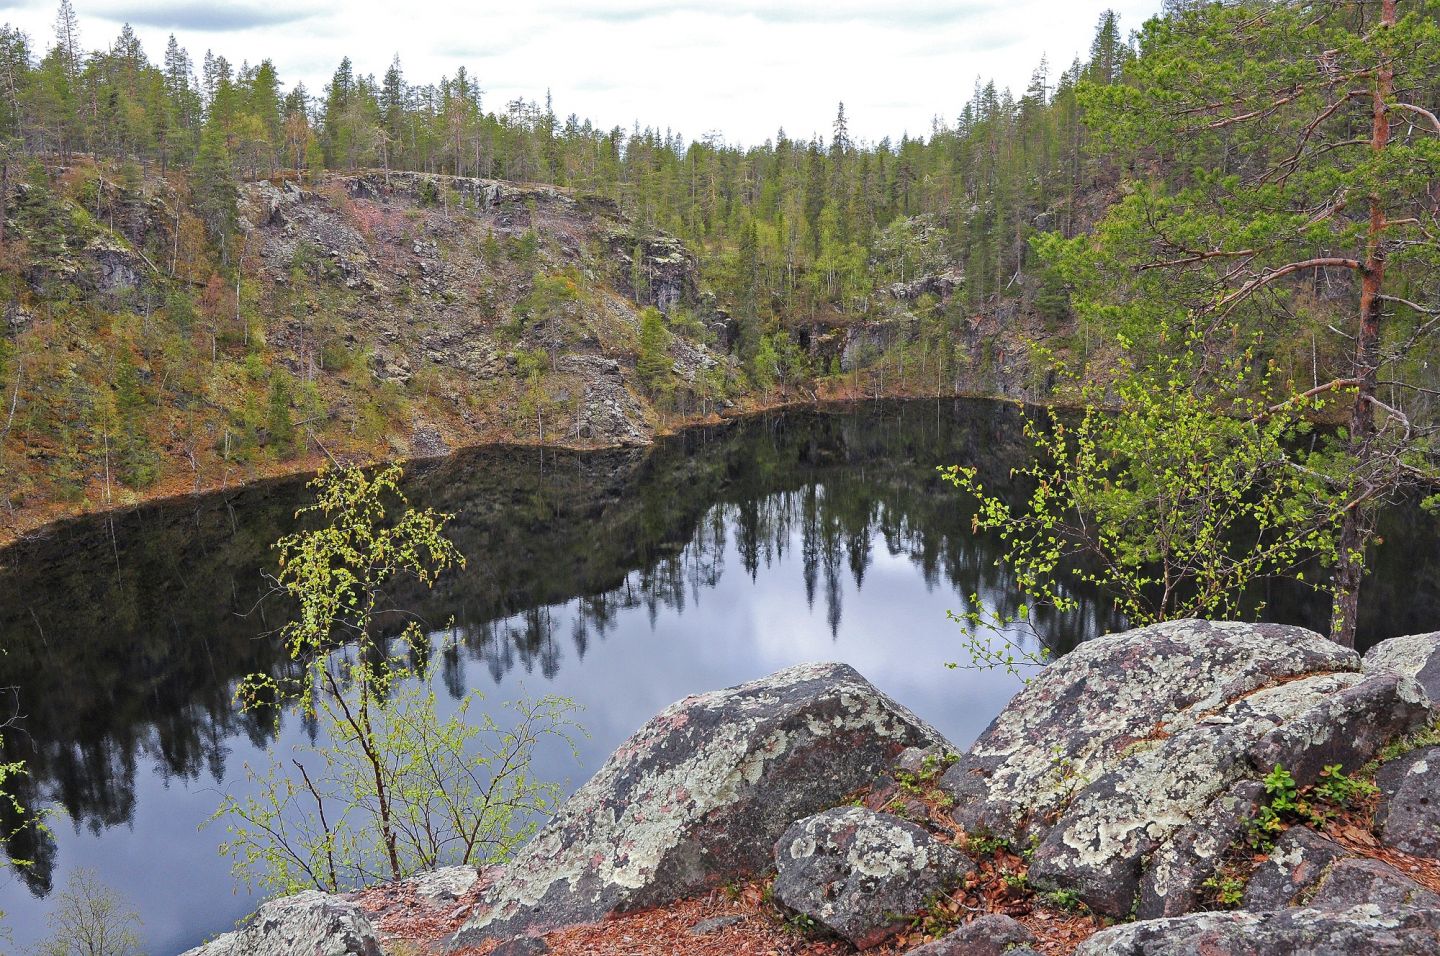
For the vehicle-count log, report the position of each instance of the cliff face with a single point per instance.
(374, 315)
(382, 315)
(486, 298)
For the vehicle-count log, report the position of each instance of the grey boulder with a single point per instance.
(1114, 696)
(1295, 867)
(1353, 882)
(1416, 655)
(1175, 877)
(1105, 759)
(1308, 869)
(861, 873)
(1292, 932)
(1408, 818)
(697, 797)
(1098, 846)
(311, 923)
(990, 935)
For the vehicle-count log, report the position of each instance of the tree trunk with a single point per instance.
(1356, 526)
(4, 190)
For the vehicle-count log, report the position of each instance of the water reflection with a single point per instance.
(625, 579)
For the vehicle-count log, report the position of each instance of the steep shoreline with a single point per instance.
(42, 522)
(369, 321)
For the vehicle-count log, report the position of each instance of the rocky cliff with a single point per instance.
(380, 315)
(366, 316)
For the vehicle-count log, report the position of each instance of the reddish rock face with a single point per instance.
(698, 796)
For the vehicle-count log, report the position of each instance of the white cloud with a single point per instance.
(745, 67)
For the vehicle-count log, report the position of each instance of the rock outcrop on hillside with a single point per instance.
(698, 796)
(390, 314)
(1131, 769)
(457, 278)
(1103, 761)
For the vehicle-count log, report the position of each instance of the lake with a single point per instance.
(623, 579)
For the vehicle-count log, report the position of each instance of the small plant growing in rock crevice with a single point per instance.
(1428, 736)
(1067, 900)
(1284, 804)
(1225, 889)
(1313, 806)
(985, 844)
(1341, 790)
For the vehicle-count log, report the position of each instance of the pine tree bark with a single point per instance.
(1358, 521)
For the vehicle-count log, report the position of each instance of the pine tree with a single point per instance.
(67, 39)
(1259, 193)
(653, 363)
(213, 185)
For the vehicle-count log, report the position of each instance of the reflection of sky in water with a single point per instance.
(696, 636)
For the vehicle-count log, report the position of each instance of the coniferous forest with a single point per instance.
(1201, 261)
(788, 244)
(210, 274)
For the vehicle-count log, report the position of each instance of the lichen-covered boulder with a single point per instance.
(311, 923)
(1295, 867)
(1353, 882)
(1113, 824)
(1095, 706)
(1298, 932)
(1408, 818)
(698, 796)
(1174, 880)
(1416, 655)
(441, 886)
(1346, 728)
(1123, 743)
(990, 935)
(862, 873)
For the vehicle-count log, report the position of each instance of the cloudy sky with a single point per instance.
(743, 68)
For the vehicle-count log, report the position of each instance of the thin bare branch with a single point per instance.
(1429, 117)
(1260, 281)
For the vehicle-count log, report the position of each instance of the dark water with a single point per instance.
(622, 579)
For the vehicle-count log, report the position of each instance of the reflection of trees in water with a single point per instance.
(837, 523)
(128, 651)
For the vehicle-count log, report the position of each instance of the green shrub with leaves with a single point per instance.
(1172, 492)
(396, 787)
(1226, 889)
(1283, 804)
(17, 821)
(1341, 790)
